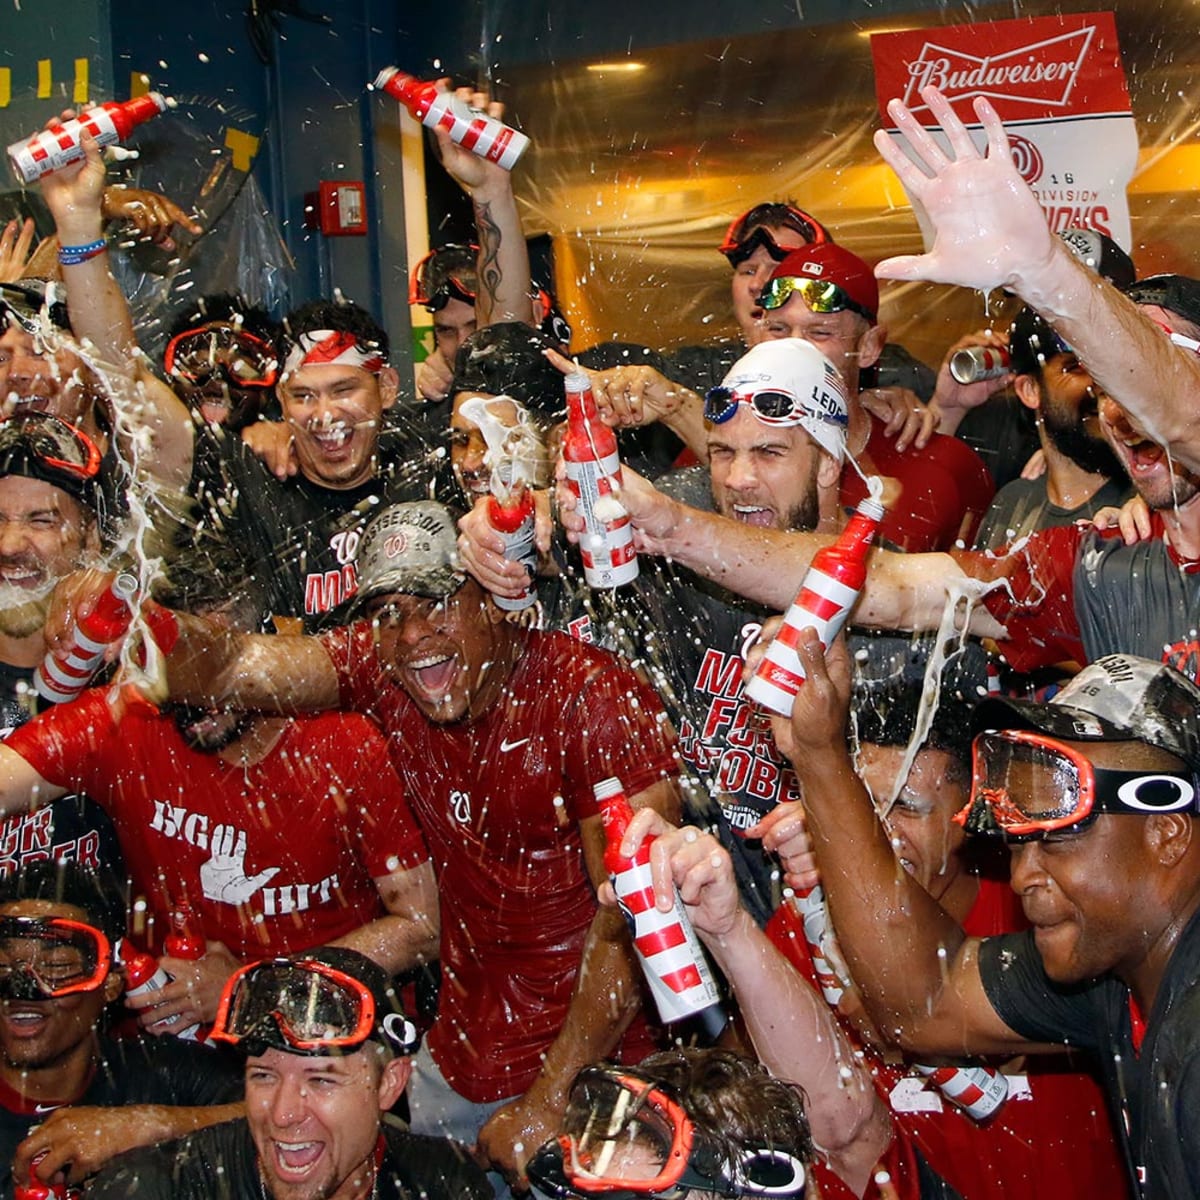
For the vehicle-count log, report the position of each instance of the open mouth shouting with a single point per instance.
(758, 515)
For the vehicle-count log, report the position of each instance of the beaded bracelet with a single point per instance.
(71, 256)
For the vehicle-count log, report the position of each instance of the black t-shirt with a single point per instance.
(220, 1163)
(74, 827)
(303, 536)
(1155, 1088)
(144, 1070)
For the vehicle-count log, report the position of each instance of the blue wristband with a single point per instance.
(70, 256)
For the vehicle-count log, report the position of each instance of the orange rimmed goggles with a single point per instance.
(1026, 785)
(43, 958)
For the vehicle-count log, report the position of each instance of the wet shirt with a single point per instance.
(73, 828)
(1076, 594)
(1155, 1085)
(144, 1070)
(1023, 506)
(1033, 1146)
(273, 857)
(303, 537)
(220, 1163)
(499, 799)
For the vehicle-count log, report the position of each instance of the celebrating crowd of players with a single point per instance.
(952, 899)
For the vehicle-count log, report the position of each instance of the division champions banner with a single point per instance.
(1059, 87)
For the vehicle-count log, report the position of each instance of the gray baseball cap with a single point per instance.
(410, 548)
(1118, 698)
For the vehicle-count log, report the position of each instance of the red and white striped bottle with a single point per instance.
(667, 947)
(978, 1091)
(828, 593)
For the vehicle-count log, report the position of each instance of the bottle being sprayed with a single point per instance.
(63, 675)
(666, 945)
(143, 974)
(471, 128)
(828, 593)
(108, 123)
(594, 475)
(515, 454)
(809, 903)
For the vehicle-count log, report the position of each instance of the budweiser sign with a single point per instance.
(1035, 68)
(1043, 72)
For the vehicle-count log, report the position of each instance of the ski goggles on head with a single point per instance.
(627, 1137)
(50, 442)
(750, 231)
(772, 407)
(238, 358)
(1026, 785)
(42, 958)
(300, 1006)
(821, 295)
(24, 306)
(444, 274)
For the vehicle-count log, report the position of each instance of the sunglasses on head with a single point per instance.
(443, 275)
(52, 442)
(240, 359)
(770, 407)
(753, 229)
(821, 295)
(1026, 785)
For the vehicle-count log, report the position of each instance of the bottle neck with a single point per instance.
(581, 408)
(616, 815)
(858, 535)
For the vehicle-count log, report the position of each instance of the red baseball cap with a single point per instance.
(827, 262)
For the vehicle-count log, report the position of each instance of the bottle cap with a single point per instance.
(578, 381)
(606, 789)
(872, 505)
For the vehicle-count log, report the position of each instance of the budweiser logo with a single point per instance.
(1041, 73)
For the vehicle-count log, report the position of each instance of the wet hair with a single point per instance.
(735, 1101)
(211, 573)
(97, 893)
(889, 675)
(1032, 343)
(342, 316)
(231, 307)
(508, 359)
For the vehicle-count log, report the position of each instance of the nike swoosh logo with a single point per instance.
(45, 1108)
(506, 745)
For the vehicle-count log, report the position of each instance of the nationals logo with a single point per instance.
(1042, 73)
(1027, 158)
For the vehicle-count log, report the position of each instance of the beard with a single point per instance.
(803, 517)
(23, 612)
(1069, 436)
(193, 721)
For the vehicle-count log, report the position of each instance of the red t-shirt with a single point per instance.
(945, 490)
(500, 799)
(274, 857)
(1050, 1140)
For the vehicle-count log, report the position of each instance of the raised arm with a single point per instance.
(990, 232)
(100, 319)
(605, 1000)
(505, 288)
(917, 970)
(793, 1030)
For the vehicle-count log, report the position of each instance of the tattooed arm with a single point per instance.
(504, 284)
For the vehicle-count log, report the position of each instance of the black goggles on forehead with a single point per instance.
(821, 295)
(444, 274)
(1026, 785)
(240, 359)
(628, 1137)
(43, 958)
(52, 442)
(24, 306)
(753, 229)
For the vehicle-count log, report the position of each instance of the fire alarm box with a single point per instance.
(338, 208)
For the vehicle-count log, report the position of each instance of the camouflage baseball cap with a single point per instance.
(410, 548)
